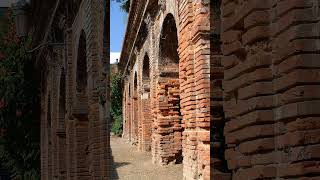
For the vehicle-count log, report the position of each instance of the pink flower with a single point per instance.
(1, 56)
(2, 103)
(18, 113)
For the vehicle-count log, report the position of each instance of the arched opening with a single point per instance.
(169, 57)
(129, 113)
(145, 106)
(61, 131)
(146, 69)
(167, 136)
(81, 113)
(135, 120)
(82, 75)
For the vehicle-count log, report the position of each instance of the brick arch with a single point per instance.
(81, 70)
(171, 8)
(146, 68)
(135, 83)
(145, 115)
(167, 122)
(168, 45)
(129, 112)
(81, 112)
(135, 110)
(88, 118)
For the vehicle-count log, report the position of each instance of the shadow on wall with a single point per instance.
(4, 175)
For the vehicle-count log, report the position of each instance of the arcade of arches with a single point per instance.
(166, 96)
(74, 118)
(228, 88)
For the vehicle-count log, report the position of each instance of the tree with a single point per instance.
(116, 103)
(19, 107)
(125, 5)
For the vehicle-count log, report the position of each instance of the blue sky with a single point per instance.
(118, 22)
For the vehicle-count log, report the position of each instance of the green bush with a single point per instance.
(117, 125)
(19, 107)
(116, 103)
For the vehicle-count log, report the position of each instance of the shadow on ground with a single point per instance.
(113, 167)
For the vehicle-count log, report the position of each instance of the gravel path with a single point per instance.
(130, 164)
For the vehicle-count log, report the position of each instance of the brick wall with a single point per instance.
(180, 104)
(270, 79)
(74, 128)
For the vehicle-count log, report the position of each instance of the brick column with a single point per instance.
(201, 43)
(271, 84)
(250, 129)
(187, 90)
(167, 132)
(43, 142)
(146, 121)
(82, 150)
(140, 120)
(296, 76)
(70, 138)
(54, 115)
(135, 120)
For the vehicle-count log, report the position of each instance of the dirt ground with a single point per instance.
(130, 164)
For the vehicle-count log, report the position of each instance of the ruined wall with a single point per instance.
(180, 104)
(167, 125)
(270, 83)
(194, 70)
(74, 128)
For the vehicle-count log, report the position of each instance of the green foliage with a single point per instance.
(117, 125)
(125, 5)
(19, 107)
(116, 103)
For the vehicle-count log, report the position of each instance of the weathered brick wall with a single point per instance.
(270, 51)
(184, 114)
(146, 123)
(219, 166)
(74, 128)
(167, 125)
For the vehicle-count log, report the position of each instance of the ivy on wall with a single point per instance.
(19, 107)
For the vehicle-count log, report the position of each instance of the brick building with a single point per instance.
(252, 104)
(166, 97)
(74, 41)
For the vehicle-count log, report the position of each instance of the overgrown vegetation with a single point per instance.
(116, 103)
(19, 107)
(125, 5)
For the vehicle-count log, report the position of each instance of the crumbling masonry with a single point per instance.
(166, 97)
(253, 104)
(74, 119)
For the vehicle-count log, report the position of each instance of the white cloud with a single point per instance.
(114, 56)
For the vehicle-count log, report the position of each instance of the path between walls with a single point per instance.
(130, 164)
